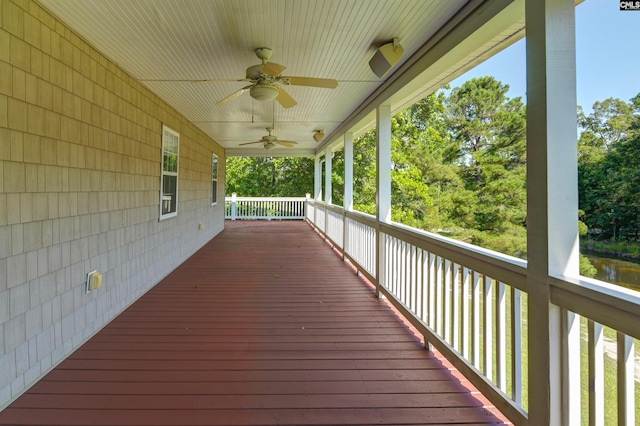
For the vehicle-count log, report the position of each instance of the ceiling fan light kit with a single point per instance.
(264, 92)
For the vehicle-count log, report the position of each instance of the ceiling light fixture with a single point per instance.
(386, 57)
(318, 135)
(263, 92)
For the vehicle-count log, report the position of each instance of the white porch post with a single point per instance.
(317, 186)
(348, 171)
(317, 179)
(383, 183)
(348, 188)
(328, 192)
(234, 206)
(552, 206)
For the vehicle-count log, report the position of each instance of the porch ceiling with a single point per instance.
(169, 44)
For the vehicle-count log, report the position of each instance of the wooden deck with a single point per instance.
(265, 325)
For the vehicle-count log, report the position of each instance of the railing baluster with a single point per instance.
(488, 328)
(439, 295)
(466, 324)
(501, 337)
(399, 260)
(414, 279)
(402, 279)
(419, 284)
(403, 276)
(516, 345)
(595, 355)
(626, 380)
(432, 291)
(455, 308)
(476, 319)
(423, 301)
(406, 254)
(394, 261)
(390, 254)
(400, 249)
(411, 288)
(446, 318)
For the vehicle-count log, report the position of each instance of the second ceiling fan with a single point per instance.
(270, 141)
(267, 81)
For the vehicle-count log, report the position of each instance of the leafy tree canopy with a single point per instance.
(459, 168)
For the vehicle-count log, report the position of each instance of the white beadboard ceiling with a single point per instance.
(168, 45)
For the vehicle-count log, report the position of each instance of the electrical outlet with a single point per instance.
(94, 280)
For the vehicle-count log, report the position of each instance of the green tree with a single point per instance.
(488, 129)
(610, 121)
(487, 126)
(458, 166)
(607, 168)
(364, 173)
(337, 179)
(269, 176)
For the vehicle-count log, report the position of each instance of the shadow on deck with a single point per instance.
(264, 325)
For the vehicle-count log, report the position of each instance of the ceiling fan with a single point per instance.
(270, 141)
(267, 81)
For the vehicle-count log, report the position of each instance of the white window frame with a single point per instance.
(169, 138)
(214, 178)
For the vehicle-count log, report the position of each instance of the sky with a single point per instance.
(607, 56)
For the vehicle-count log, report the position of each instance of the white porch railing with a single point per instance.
(280, 208)
(471, 305)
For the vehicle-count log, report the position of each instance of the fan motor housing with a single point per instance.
(254, 72)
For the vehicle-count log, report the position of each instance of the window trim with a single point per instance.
(166, 131)
(214, 179)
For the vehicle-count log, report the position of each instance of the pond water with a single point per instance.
(617, 271)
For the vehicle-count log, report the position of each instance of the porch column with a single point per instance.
(383, 185)
(383, 165)
(317, 179)
(348, 171)
(348, 189)
(328, 192)
(552, 208)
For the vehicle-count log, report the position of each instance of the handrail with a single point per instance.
(608, 304)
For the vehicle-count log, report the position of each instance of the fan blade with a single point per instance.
(327, 83)
(285, 99)
(224, 80)
(288, 144)
(233, 95)
(250, 143)
(273, 69)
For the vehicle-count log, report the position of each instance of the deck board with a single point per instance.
(265, 325)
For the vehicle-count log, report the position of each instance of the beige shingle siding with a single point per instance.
(79, 190)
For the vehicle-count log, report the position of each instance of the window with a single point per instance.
(214, 179)
(169, 182)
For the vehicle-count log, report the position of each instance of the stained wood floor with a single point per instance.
(265, 325)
